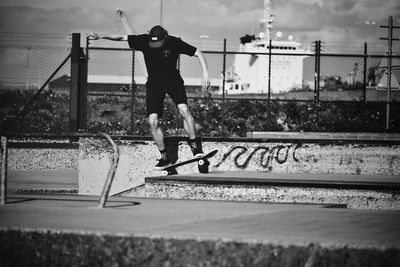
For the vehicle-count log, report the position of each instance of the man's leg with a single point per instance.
(156, 131)
(188, 122)
(158, 137)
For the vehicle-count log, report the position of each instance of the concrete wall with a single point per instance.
(349, 198)
(138, 157)
(42, 159)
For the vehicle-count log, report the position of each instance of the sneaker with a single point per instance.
(198, 154)
(196, 148)
(163, 162)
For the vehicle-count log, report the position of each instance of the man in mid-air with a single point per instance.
(161, 52)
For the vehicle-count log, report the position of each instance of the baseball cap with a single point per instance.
(157, 36)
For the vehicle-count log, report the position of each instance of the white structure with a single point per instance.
(382, 83)
(249, 73)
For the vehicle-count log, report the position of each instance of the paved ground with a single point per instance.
(284, 223)
(67, 179)
(55, 180)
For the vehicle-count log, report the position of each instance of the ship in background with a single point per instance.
(249, 73)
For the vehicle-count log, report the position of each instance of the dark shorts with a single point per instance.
(156, 92)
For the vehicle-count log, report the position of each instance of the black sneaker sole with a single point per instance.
(160, 168)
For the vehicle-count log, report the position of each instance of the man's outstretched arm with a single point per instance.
(112, 37)
(206, 76)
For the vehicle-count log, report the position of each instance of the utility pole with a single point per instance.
(161, 12)
(317, 70)
(390, 40)
(317, 77)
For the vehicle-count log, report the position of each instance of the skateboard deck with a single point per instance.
(202, 163)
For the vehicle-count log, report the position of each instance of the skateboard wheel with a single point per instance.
(201, 162)
(171, 171)
(203, 168)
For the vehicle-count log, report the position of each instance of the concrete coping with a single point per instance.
(360, 182)
(264, 136)
(350, 136)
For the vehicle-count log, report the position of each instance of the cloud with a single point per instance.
(378, 11)
(315, 19)
(38, 20)
(309, 2)
(218, 19)
(64, 16)
(334, 20)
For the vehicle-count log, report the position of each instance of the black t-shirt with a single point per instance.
(161, 62)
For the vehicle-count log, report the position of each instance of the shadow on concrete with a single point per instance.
(111, 202)
(121, 205)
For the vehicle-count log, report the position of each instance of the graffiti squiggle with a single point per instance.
(266, 156)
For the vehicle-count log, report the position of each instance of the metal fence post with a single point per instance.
(223, 89)
(315, 70)
(133, 93)
(318, 70)
(178, 119)
(78, 85)
(389, 73)
(82, 90)
(3, 170)
(365, 73)
(317, 78)
(73, 119)
(269, 69)
(269, 80)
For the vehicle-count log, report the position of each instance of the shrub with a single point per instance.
(232, 118)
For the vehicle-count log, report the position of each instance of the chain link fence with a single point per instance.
(23, 71)
(291, 92)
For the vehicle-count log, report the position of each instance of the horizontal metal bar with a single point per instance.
(253, 53)
(55, 135)
(110, 48)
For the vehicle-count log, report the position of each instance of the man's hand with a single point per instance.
(206, 77)
(94, 36)
(206, 82)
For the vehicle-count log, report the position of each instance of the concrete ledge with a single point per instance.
(355, 192)
(24, 247)
(42, 158)
(347, 136)
(137, 159)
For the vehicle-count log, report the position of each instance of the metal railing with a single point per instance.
(4, 152)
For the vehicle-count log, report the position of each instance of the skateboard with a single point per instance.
(202, 163)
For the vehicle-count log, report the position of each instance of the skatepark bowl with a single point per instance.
(275, 199)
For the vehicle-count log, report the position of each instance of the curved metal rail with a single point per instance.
(111, 171)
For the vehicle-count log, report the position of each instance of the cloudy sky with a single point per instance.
(332, 21)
